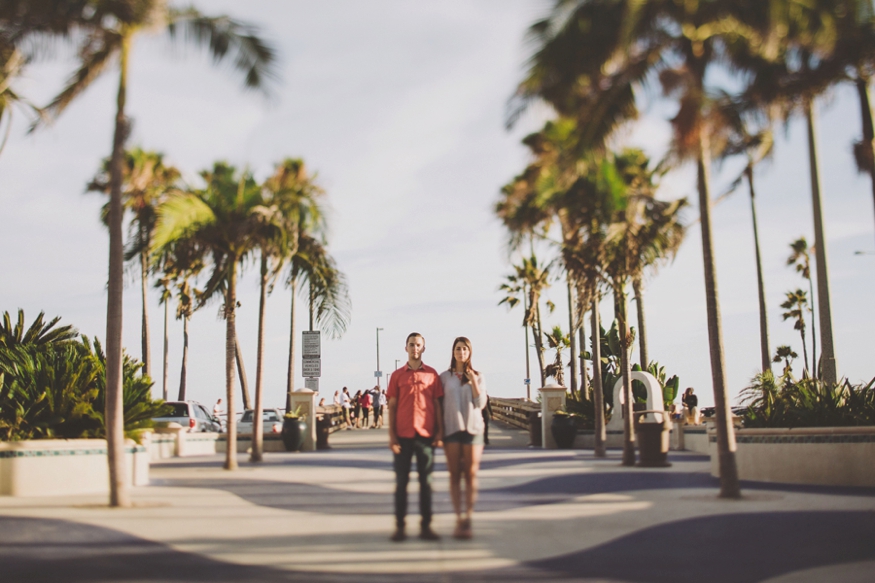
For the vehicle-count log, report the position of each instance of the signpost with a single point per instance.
(312, 343)
(311, 352)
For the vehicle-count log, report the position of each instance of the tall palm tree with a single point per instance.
(800, 258)
(736, 135)
(796, 305)
(661, 235)
(178, 262)
(146, 182)
(109, 38)
(224, 221)
(533, 279)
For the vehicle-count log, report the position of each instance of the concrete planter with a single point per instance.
(57, 467)
(833, 456)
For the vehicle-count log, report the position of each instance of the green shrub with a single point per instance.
(788, 402)
(53, 384)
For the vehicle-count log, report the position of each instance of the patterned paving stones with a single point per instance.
(542, 515)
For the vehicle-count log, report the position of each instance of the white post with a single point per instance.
(552, 399)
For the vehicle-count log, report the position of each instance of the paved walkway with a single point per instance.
(542, 516)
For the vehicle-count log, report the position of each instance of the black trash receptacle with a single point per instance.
(323, 430)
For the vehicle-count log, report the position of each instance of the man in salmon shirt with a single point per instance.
(415, 428)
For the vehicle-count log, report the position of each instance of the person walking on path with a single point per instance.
(347, 405)
(415, 428)
(464, 401)
(377, 406)
(365, 401)
(487, 415)
(357, 410)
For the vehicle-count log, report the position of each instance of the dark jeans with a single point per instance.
(424, 450)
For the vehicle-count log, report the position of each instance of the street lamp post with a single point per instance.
(378, 355)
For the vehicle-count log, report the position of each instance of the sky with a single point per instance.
(399, 109)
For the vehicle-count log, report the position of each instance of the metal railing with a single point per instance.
(514, 412)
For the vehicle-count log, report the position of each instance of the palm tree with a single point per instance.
(146, 181)
(112, 37)
(557, 341)
(661, 235)
(532, 279)
(736, 137)
(224, 221)
(796, 305)
(800, 258)
(178, 263)
(786, 354)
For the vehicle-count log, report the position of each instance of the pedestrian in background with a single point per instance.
(365, 401)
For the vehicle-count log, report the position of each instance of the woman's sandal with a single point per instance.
(459, 532)
(466, 532)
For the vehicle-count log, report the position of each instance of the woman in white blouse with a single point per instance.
(464, 399)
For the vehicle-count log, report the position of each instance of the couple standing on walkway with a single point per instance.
(428, 410)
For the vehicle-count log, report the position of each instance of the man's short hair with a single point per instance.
(414, 335)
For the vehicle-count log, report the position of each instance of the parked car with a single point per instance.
(193, 415)
(272, 419)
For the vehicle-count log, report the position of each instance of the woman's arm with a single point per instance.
(478, 390)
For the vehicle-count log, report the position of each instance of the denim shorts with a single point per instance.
(464, 438)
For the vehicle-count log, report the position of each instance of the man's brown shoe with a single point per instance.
(428, 534)
(398, 535)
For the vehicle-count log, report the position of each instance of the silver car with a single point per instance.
(193, 415)
(272, 421)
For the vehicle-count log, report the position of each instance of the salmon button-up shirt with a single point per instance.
(415, 391)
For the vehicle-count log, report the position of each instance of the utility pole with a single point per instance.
(528, 380)
(377, 373)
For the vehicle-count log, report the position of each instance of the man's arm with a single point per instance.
(393, 436)
(438, 422)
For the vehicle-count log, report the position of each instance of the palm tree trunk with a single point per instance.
(166, 344)
(804, 349)
(598, 392)
(539, 342)
(119, 495)
(584, 377)
(241, 372)
(729, 486)
(572, 320)
(144, 288)
(290, 380)
(626, 371)
(231, 353)
(765, 353)
(637, 288)
(526, 330)
(862, 84)
(814, 360)
(184, 369)
(828, 367)
(257, 422)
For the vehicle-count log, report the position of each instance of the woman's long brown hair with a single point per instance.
(468, 366)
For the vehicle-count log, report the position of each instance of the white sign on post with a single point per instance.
(312, 367)
(311, 344)
(312, 384)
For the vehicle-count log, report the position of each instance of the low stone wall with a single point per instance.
(696, 438)
(272, 442)
(53, 467)
(832, 456)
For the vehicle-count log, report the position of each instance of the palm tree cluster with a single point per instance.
(103, 33)
(180, 235)
(593, 59)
